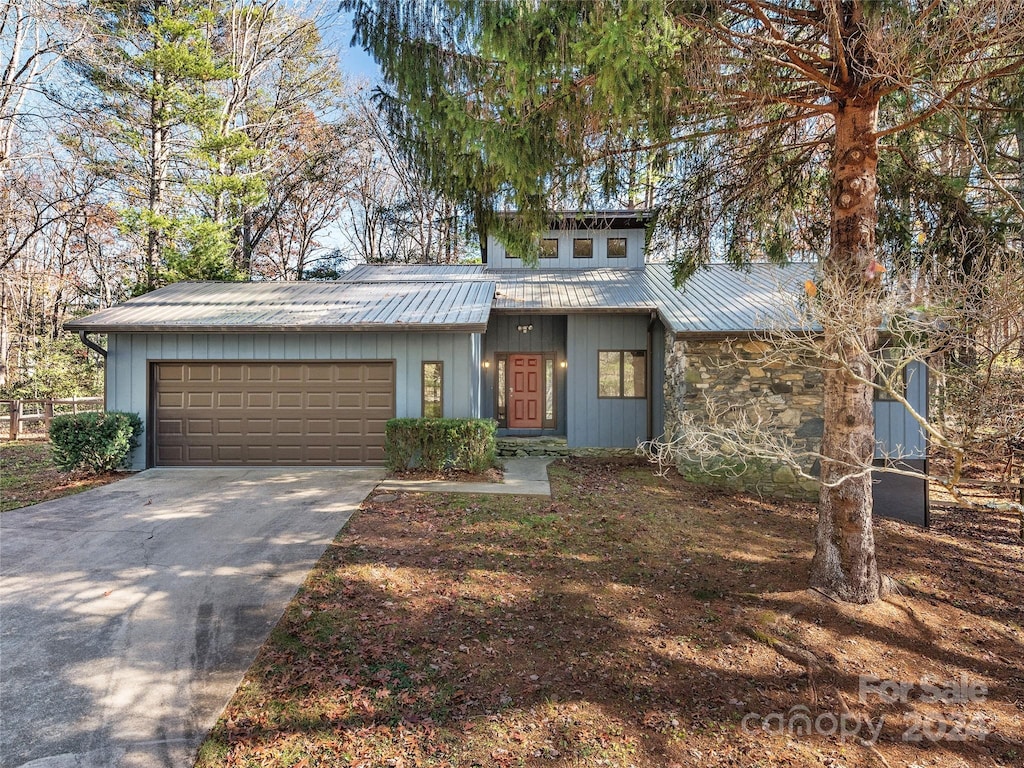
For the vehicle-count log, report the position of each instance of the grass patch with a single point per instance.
(28, 476)
(629, 620)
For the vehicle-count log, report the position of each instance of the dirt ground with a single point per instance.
(27, 475)
(634, 621)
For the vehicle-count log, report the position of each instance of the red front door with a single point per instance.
(525, 395)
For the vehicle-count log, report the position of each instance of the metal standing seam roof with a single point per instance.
(313, 306)
(382, 273)
(723, 299)
(571, 290)
(717, 299)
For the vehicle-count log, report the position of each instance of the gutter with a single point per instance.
(84, 336)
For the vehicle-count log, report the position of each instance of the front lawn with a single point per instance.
(27, 475)
(633, 620)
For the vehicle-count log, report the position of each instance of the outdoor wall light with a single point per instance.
(564, 364)
(525, 328)
(487, 363)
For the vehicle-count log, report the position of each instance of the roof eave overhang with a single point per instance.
(362, 327)
(573, 310)
(737, 333)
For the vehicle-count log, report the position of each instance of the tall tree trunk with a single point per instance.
(844, 561)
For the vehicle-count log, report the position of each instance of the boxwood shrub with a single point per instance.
(98, 442)
(436, 444)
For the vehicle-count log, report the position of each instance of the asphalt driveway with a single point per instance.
(129, 613)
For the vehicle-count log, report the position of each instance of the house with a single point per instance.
(594, 346)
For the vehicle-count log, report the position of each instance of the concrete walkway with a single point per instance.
(523, 477)
(130, 613)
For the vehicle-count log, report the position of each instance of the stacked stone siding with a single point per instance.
(745, 376)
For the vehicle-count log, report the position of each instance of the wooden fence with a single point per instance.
(19, 413)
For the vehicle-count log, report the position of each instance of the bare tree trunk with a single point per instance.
(844, 562)
(5, 333)
(157, 179)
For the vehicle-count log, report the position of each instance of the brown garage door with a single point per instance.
(235, 413)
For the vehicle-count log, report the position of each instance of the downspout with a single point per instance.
(650, 374)
(84, 336)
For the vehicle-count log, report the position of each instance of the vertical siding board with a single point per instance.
(658, 378)
(895, 426)
(593, 421)
(476, 369)
(306, 347)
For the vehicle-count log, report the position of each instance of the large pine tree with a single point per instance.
(764, 121)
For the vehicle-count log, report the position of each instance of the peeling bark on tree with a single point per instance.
(844, 561)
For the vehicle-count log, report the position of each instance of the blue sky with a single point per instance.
(354, 61)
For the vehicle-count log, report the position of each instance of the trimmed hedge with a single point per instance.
(436, 444)
(99, 442)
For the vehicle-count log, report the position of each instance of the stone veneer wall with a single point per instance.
(738, 374)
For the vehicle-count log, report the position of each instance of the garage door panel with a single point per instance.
(289, 427)
(170, 427)
(170, 454)
(259, 399)
(170, 400)
(289, 399)
(378, 400)
(259, 373)
(271, 413)
(317, 427)
(170, 372)
(256, 427)
(228, 399)
(319, 400)
(199, 428)
(226, 427)
(199, 399)
(381, 374)
(287, 453)
(350, 454)
(199, 373)
(229, 453)
(198, 453)
(320, 454)
(350, 400)
(230, 373)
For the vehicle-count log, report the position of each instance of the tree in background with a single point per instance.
(393, 214)
(774, 115)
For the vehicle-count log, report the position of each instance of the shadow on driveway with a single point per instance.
(130, 613)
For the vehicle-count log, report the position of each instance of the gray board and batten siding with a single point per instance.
(498, 257)
(900, 442)
(131, 357)
(897, 433)
(548, 336)
(611, 422)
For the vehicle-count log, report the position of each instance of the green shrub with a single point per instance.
(436, 444)
(99, 442)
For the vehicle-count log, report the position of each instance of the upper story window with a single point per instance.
(549, 248)
(583, 248)
(616, 247)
